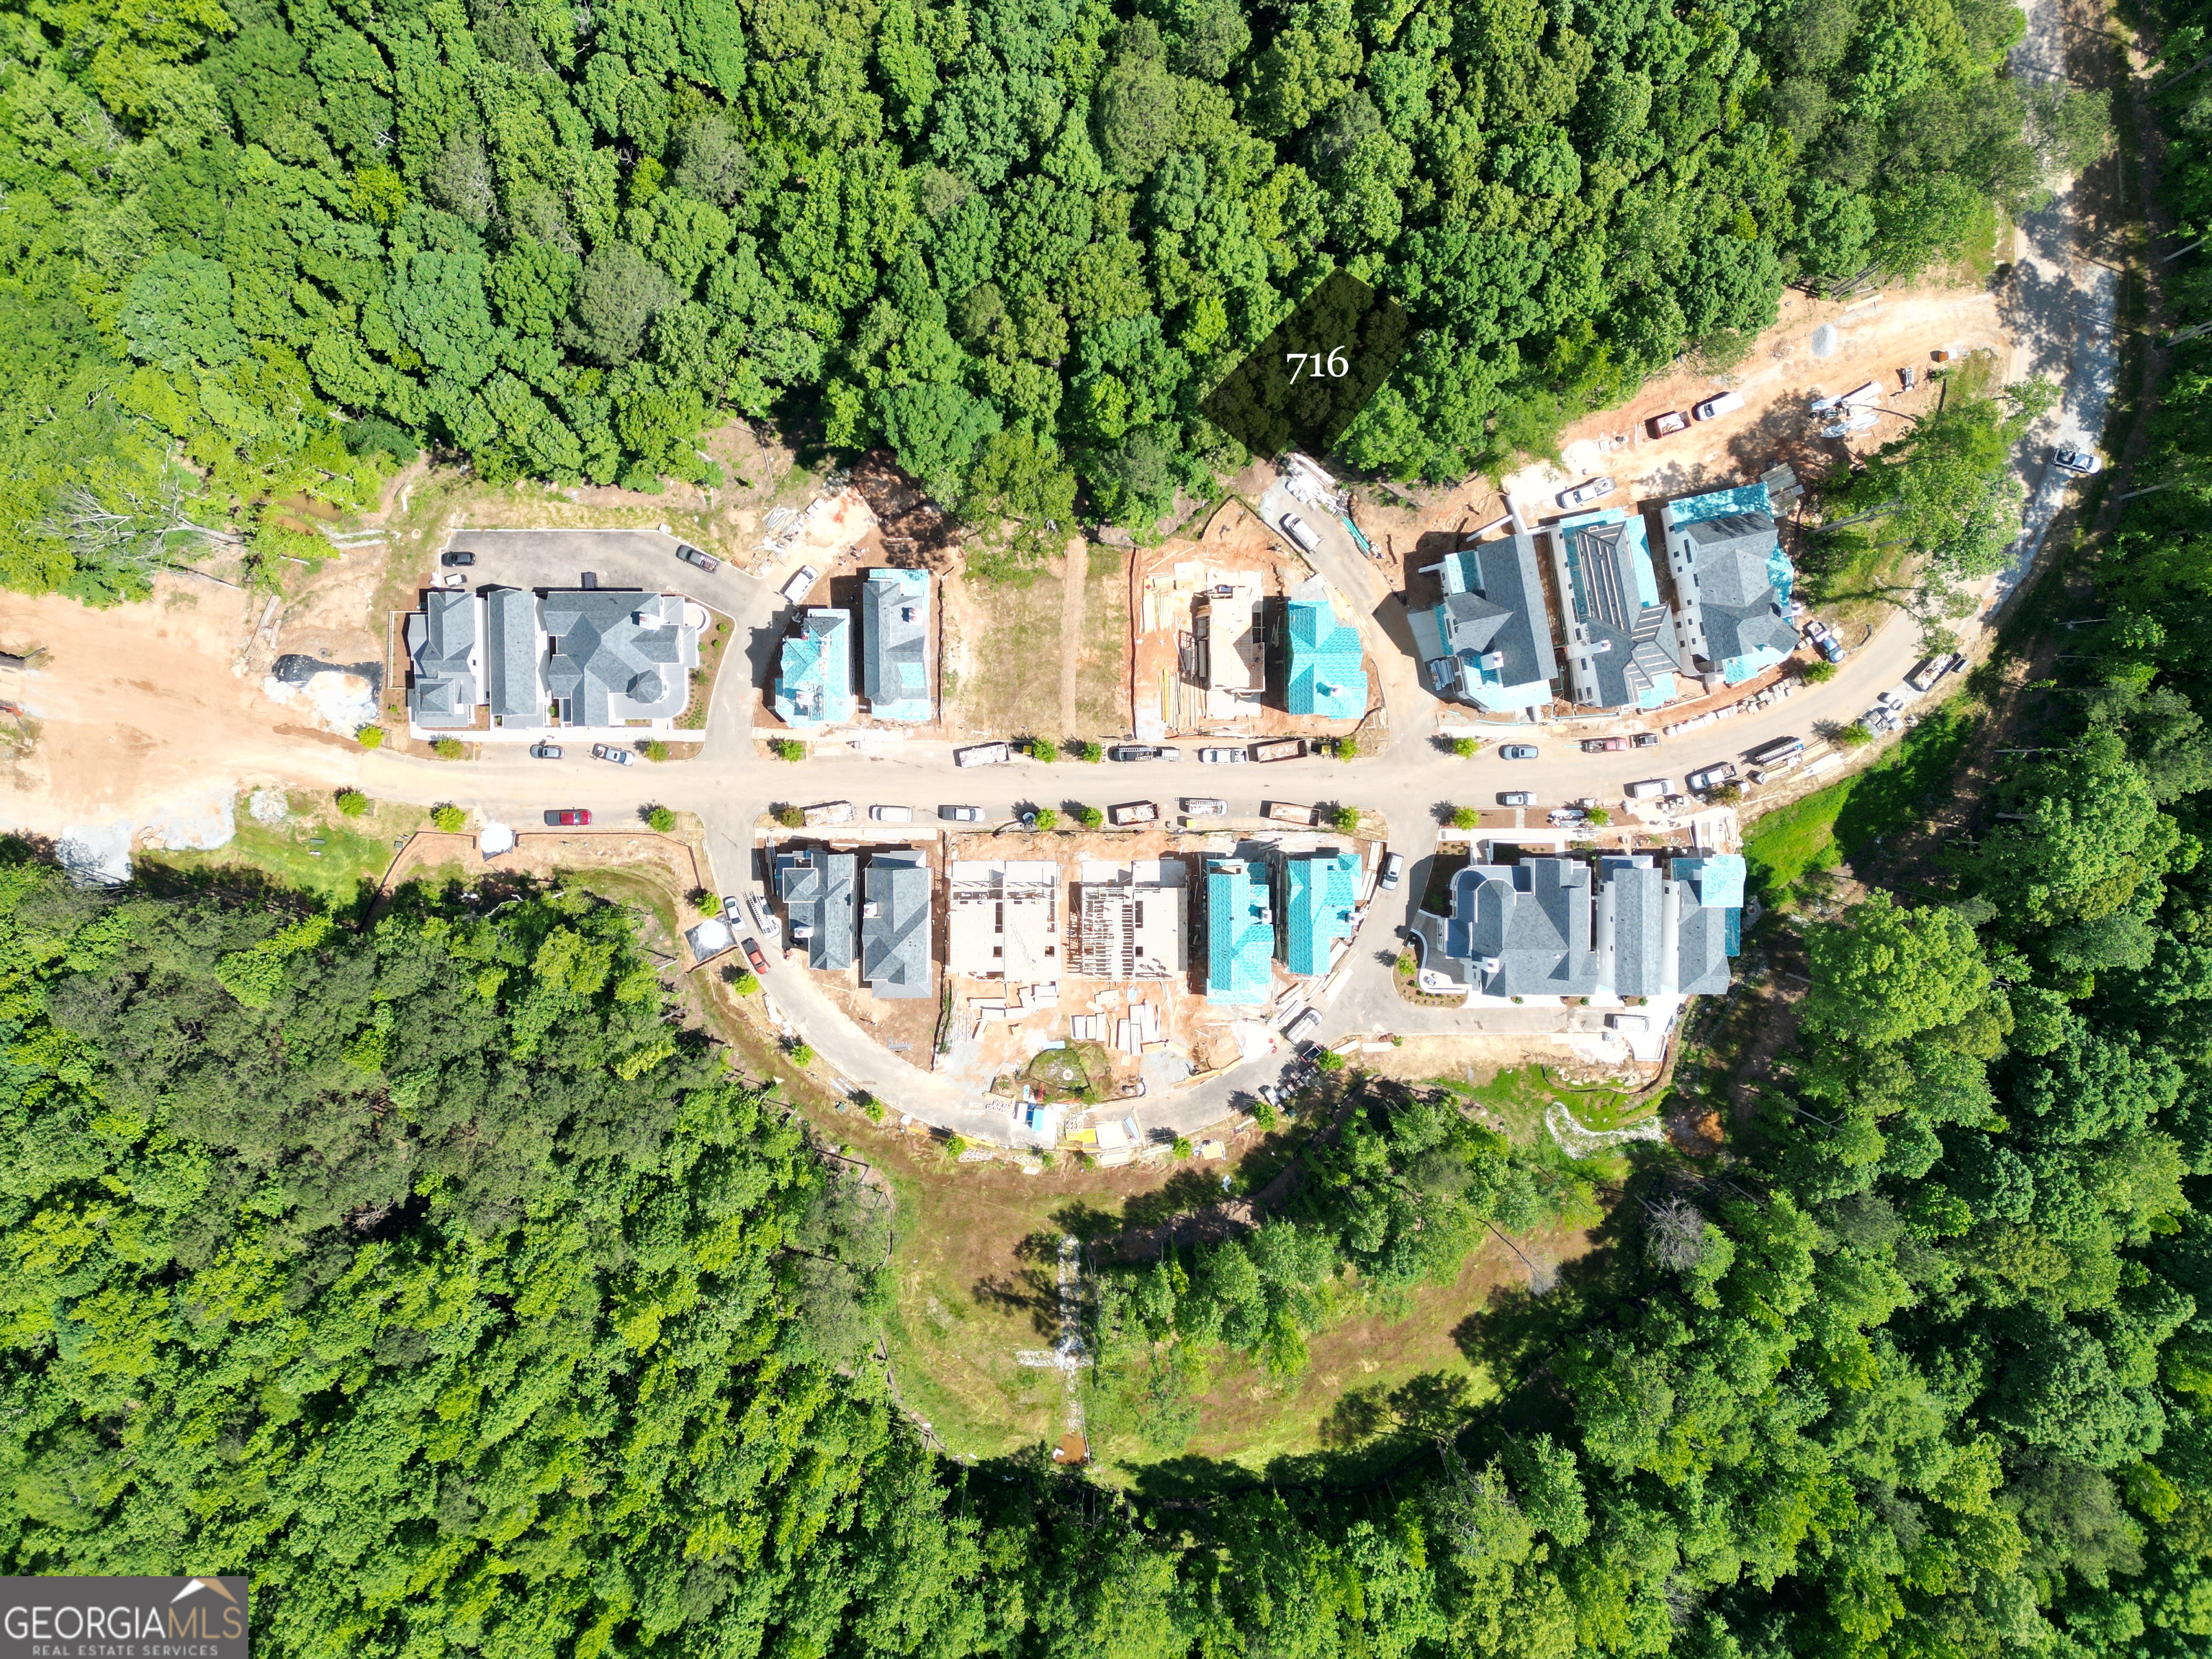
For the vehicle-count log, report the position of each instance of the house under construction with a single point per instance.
(1130, 920)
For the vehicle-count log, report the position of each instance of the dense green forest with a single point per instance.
(256, 252)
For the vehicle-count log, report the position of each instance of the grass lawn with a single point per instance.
(1102, 675)
(315, 850)
(1013, 686)
(1828, 827)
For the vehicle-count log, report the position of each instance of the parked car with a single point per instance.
(1516, 798)
(690, 554)
(756, 956)
(1713, 407)
(1644, 741)
(1672, 420)
(545, 751)
(2081, 462)
(1307, 1019)
(1595, 489)
(1393, 871)
(1205, 806)
(801, 584)
(1222, 757)
(457, 560)
(607, 751)
(1649, 788)
(892, 814)
(1829, 647)
(567, 818)
(1142, 751)
(1891, 699)
(961, 814)
(1711, 777)
(1299, 531)
(1517, 752)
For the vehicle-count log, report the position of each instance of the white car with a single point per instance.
(1300, 531)
(892, 814)
(2081, 462)
(1713, 407)
(1593, 490)
(1205, 806)
(961, 814)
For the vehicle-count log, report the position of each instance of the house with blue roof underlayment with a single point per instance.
(894, 644)
(1624, 928)
(1620, 646)
(1320, 899)
(1322, 658)
(1488, 640)
(814, 686)
(1240, 932)
(1732, 582)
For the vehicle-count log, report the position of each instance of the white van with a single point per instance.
(1649, 789)
(892, 814)
(1300, 531)
(1726, 403)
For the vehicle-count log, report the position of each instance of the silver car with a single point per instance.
(1222, 757)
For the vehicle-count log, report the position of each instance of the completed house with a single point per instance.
(1321, 897)
(1488, 641)
(582, 659)
(894, 644)
(815, 686)
(1621, 650)
(895, 923)
(447, 670)
(1240, 932)
(816, 889)
(1732, 582)
(1628, 927)
(1322, 658)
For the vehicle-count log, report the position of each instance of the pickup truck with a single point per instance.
(1282, 749)
(1133, 811)
(829, 812)
(1142, 751)
(1603, 745)
(1283, 811)
(1712, 777)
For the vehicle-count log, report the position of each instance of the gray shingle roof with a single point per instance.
(441, 642)
(818, 900)
(1635, 893)
(1739, 610)
(1502, 609)
(895, 924)
(1533, 919)
(619, 654)
(1701, 953)
(512, 685)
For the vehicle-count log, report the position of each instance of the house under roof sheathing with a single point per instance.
(895, 923)
(441, 647)
(1326, 674)
(1240, 932)
(894, 644)
(1319, 894)
(1621, 649)
(815, 685)
(816, 889)
(1003, 920)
